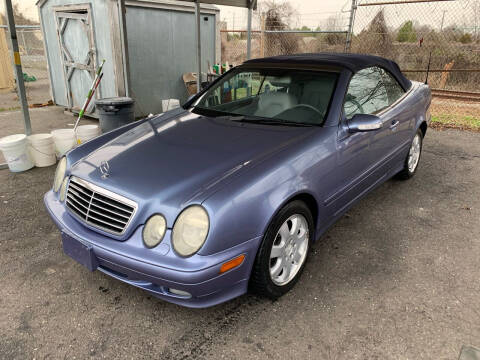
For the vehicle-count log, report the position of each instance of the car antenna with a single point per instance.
(428, 66)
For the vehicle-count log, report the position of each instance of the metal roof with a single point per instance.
(238, 3)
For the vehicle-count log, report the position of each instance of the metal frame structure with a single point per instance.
(22, 95)
(119, 57)
(249, 4)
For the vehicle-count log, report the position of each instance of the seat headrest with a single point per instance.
(285, 100)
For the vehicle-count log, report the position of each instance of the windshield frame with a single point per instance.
(192, 103)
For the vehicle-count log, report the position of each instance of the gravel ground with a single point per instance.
(397, 277)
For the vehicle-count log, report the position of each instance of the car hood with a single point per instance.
(171, 161)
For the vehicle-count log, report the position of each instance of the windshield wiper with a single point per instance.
(209, 112)
(246, 118)
(268, 121)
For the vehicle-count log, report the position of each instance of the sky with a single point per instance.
(310, 12)
(313, 13)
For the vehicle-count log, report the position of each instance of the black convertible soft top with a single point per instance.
(353, 62)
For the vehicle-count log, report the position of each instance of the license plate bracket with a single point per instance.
(79, 251)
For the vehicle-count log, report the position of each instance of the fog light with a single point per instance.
(180, 292)
(231, 264)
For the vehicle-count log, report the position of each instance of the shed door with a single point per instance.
(78, 52)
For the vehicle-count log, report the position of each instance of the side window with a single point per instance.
(393, 88)
(366, 93)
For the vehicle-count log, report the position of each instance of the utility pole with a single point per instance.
(443, 18)
(249, 30)
(22, 96)
(199, 46)
(348, 40)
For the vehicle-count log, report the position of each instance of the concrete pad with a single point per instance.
(43, 120)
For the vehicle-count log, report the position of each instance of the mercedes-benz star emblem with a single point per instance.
(104, 169)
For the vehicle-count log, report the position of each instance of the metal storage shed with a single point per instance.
(146, 51)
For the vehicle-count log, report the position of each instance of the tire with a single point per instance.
(409, 169)
(266, 279)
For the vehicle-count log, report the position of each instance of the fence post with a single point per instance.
(262, 36)
(25, 48)
(22, 95)
(348, 40)
(198, 45)
(249, 31)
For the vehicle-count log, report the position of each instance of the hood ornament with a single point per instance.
(104, 169)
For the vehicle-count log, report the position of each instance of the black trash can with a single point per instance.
(115, 112)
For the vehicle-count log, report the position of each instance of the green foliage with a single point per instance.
(465, 38)
(407, 33)
(456, 121)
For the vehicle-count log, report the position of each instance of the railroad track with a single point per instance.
(456, 95)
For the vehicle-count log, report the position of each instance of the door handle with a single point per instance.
(394, 124)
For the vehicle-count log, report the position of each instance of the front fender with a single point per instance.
(244, 209)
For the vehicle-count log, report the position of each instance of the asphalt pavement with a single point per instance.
(396, 278)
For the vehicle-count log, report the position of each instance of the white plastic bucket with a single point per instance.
(64, 140)
(87, 132)
(42, 149)
(15, 151)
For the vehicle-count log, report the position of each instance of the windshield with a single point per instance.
(274, 96)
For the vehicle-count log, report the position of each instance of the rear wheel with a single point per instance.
(283, 252)
(413, 157)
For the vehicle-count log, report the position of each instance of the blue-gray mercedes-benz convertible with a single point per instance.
(227, 194)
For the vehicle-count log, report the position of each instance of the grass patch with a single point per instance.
(454, 121)
(12, 108)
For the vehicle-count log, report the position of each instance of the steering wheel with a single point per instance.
(306, 106)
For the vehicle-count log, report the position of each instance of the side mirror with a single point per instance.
(364, 122)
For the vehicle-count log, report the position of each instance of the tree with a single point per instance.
(466, 38)
(278, 17)
(375, 38)
(406, 33)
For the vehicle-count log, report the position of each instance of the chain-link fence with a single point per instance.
(444, 33)
(442, 36)
(279, 42)
(34, 66)
(278, 32)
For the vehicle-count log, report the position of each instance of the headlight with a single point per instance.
(63, 189)
(59, 174)
(154, 231)
(190, 230)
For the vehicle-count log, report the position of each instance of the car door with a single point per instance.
(358, 153)
(384, 141)
(393, 147)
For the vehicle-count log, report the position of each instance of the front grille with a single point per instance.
(99, 207)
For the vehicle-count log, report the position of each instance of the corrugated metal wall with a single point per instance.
(161, 46)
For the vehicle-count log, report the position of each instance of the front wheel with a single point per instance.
(283, 253)
(413, 157)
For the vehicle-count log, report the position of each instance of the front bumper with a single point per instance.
(157, 270)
